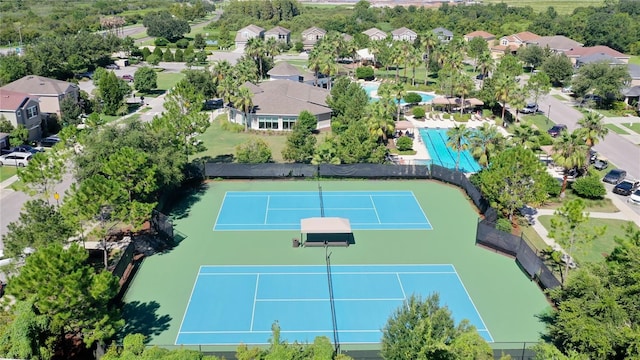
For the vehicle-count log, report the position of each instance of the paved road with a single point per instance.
(614, 147)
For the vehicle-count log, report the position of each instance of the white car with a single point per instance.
(20, 159)
(635, 197)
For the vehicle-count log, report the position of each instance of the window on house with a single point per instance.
(288, 122)
(246, 35)
(32, 112)
(268, 122)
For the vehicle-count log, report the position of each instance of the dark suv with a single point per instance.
(615, 176)
(557, 129)
(626, 187)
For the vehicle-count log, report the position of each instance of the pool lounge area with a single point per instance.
(435, 141)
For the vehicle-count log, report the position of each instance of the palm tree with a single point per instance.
(485, 142)
(592, 130)
(414, 60)
(398, 92)
(463, 86)
(457, 140)
(569, 149)
(505, 86)
(255, 48)
(328, 67)
(379, 121)
(524, 135)
(272, 48)
(397, 58)
(486, 65)
(428, 42)
(243, 100)
(315, 62)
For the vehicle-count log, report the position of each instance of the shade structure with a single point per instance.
(325, 225)
(403, 125)
(444, 101)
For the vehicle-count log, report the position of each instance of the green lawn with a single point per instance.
(533, 238)
(168, 80)
(600, 205)
(561, 6)
(7, 172)
(540, 121)
(601, 246)
(219, 142)
(634, 126)
(616, 129)
(635, 60)
(559, 97)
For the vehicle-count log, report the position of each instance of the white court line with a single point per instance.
(298, 224)
(475, 308)
(421, 210)
(266, 210)
(316, 208)
(255, 296)
(404, 295)
(375, 209)
(341, 265)
(334, 273)
(184, 316)
(270, 331)
(220, 210)
(327, 299)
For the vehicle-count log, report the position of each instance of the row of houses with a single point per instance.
(29, 100)
(312, 35)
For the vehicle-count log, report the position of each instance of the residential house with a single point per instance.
(443, 34)
(311, 36)
(375, 34)
(511, 44)
(278, 33)
(21, 109)
(285, 71)
(278, 103)
(632, 97)
(634, 72)
(248, 32)
(404, 34)
(576, 53)
(346, 37)
(50, 92)
(488, 37)
(556, 43)
(597, 58)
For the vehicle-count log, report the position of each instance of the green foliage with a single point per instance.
(601, 79)
(18, 136)
(112, 92)
(559, 69)
(514, 178)
(12, 67)
(160, 41)
(357, 145)
(145, 79)
(184, 43)
(418, 112)
(404, 143)
(162, 24)
(145, 54)
(22, 336)
(412, 98)
(154, 59)
(504, 225)
(43, 172)
(254, 151)
(134, 343)
(348, 102)
(422, 329)
(589, 187)
(198, 42)
(73, 297)
(227, 125)
(364, 72)
(202, 81)
(167, 56)
(301, 142)
(39, 225)
(532, 55)
(178, 56)
(70, 111)
(5, 125)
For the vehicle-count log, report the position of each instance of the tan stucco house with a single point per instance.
(311, 36)
(248, 32)
(50, 92)
(404, 34)
(278, 33)
(511, 44)
(488, 37)
(375, 34)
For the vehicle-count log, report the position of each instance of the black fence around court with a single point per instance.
(487, 235)
(162, 224)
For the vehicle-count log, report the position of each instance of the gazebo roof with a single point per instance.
(325, 225)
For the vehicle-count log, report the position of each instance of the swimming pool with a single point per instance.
(441, 154)
(369, 88)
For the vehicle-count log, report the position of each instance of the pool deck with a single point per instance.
(421, 150)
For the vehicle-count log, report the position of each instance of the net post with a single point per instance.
(334, 321)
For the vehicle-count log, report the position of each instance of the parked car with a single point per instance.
(635, 197)
(557, 129)
(20, 159)
(591, 98)
(213, 104)
(593, 156)
(615, 176)
(626, 187)
(112, 67)
(600, 164)
(531, 108)
(49, 141)
(127, 77)
(23, 148)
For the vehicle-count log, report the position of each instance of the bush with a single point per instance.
(418, 112)
(404, 143)
(589, 187)
(544, 139)
(298, 46)
(552, 186)
(160, 42)
(167, 56)
(461, 118)
(504, 225)
(226, 125)
(364, 72)
(412, 98)
(182, 44)
(254, 151)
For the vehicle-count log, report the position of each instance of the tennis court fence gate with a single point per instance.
(526, 256)
(162, 224)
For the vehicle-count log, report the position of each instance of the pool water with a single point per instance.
(441, 154)
(370, 88)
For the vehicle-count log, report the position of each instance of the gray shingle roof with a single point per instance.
(634, 71)
(283, 68)
(40, 85)
(601, 57)
(284, 97)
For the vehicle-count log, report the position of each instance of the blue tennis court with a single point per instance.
(230, 305)
(283, 210)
